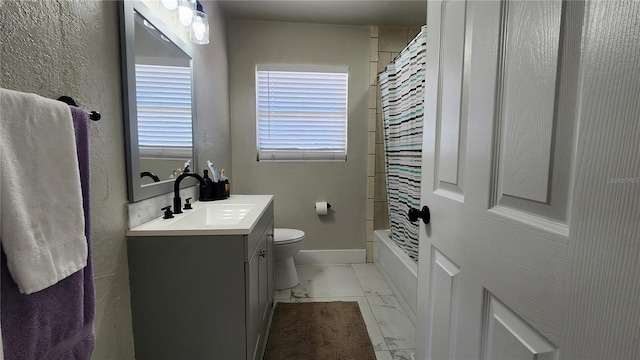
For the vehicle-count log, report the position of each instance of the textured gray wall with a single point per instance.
(296, 186)
(71, 47)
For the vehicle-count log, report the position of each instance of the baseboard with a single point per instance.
(346, 256)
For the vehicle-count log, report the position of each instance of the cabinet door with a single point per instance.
(266, 277)
(253, 303)
(259, 293)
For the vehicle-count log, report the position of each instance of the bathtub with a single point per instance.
(400, 272)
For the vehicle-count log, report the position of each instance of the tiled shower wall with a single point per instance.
(386, 43)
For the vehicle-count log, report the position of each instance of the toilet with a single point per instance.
(286, 243)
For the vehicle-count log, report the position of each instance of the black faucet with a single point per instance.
(151, 175)
(177, 202)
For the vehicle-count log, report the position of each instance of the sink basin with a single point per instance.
(214, 214)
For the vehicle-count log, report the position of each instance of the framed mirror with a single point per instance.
(159, 102)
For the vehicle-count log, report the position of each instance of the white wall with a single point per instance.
(65, 47)
(212, 92)
(296, 186)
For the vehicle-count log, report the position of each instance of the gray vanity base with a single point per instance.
(202, 297)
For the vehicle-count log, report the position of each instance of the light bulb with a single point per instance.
(185, 16)
(170, 4)
(185, 12)
(198, 29)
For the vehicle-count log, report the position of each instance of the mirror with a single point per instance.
(159, 102)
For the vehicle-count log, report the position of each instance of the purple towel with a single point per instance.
(55, 323)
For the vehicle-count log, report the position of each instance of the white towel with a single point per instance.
(42, 221)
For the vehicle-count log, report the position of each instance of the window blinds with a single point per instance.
(301, 115)
(163, 96)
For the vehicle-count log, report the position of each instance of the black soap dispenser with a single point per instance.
(207, 193)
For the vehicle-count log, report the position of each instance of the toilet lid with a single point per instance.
(285, 236)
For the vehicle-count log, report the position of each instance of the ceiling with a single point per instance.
(346, 12)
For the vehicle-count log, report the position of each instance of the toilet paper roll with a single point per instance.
(322, 208)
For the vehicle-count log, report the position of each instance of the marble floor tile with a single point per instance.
(398, 330)
(318, 281)
(403, 355)
(383, 355)
(371, 280)
(282, 294)
(377, 339)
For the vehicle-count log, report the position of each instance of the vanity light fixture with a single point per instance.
(186, 9)
(199, 29)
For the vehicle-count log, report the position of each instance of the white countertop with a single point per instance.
(191, 222)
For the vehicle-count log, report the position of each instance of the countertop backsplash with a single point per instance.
(146, 210)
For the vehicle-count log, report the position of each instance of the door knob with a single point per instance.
(424, 214)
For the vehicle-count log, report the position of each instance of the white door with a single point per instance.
(530, 170)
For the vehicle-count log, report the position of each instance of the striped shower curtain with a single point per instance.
(402, 90)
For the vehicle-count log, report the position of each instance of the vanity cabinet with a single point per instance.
(202, 296)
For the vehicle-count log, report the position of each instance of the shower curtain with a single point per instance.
(402, 91)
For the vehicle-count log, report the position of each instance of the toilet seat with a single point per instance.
(287, 236)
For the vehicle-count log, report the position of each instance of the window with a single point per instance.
(301, 115)
(163, 96)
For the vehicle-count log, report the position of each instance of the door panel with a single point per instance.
(508, 337)
(534, 119)
(444, 298)
(528, 60)
(450, 99)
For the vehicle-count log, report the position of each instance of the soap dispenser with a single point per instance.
(207, 193)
